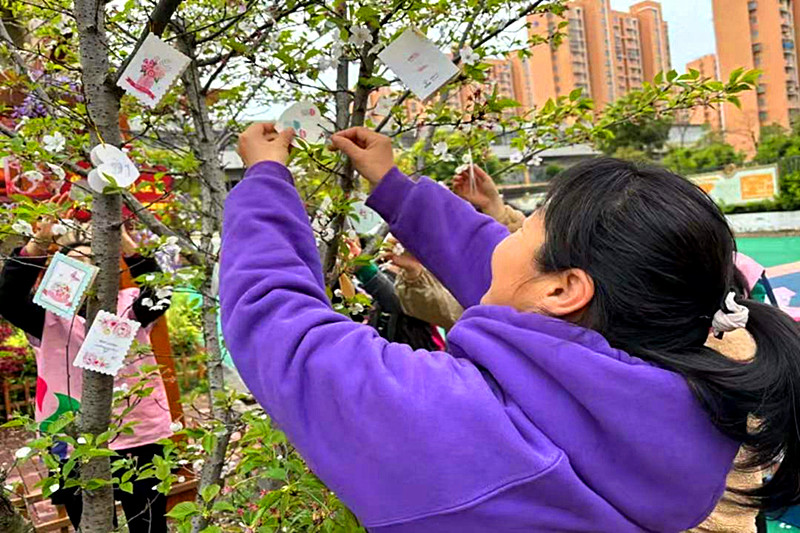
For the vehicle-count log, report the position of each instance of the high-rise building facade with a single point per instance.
(758, 34)
(605, 52)
(705, 115)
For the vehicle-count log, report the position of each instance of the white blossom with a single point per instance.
(536, 161)
(359, 35)
(198, 465)
(175, 426)
(172, 240)
(337, 48)
(467, 158)
(81, 440)
(22, 453)
(58, 229)
(468, 56)
(358, 308)
(22, 123)
(440, 149)
(462, 168)
(122, 388)
(376, 49)
(279, 457)
(22, 227)
(163, 292)
(57, 171)
(327, 62)
(328, 234)
(148, 302)
(338, 293)
(515, 157)
(54, 487)
(183, 462)
(54, 143)
(181, 479)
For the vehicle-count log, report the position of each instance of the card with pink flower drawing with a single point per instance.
(152, 71)
(107, 343)
(64, 285)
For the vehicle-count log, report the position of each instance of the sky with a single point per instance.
(691, 28)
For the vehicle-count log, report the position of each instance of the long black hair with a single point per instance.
(661, 255)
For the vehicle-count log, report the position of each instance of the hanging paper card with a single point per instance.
(152, 71)
(107, 344)
(64, 284)
(419, 64)
(306, 120)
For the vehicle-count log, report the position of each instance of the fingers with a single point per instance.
(481, 174)
(287, 136)
(360, 136)
(268, 127)
(345, 145)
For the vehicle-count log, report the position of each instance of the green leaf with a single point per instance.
(671, 75)
(209, 442)
(223, 506)
(735, 101)
(183, 510)
(210, 492)
(735, 75)
(68, 468)
(126, 487)
(575, 94)
(276, 473)
(212, 529)
(659, 79)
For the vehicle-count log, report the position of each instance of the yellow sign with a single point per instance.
(740, 187)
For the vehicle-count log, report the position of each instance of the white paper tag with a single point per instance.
(307, 121)
(419, 64)
(152, 71)
(107, 344)
(64, 284)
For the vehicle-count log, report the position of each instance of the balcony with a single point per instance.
(757, 48)
(752, 6)
(788, 44)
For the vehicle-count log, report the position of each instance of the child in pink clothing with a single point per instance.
(59, 384)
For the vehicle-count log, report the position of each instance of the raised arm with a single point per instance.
(444, 232)
(359, 409)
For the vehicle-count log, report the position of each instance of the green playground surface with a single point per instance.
(771, 251)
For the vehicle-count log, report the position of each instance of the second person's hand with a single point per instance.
(370, 152)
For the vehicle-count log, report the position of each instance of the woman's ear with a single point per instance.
(568, 292)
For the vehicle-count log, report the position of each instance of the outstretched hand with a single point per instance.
(484, 195)
(370, 152)
(262, 142)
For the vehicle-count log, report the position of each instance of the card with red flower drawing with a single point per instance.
(64, 285)
(107, 343)
(152, 71)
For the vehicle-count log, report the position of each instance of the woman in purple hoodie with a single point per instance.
(576, 393)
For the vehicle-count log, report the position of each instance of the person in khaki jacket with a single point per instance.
(423, 296)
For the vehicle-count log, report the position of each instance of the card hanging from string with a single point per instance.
(64, 285)
(107, 344)
(419, 63)
(152, 71)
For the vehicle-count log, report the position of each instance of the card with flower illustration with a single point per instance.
(307, 121)
(107, 343)
(152, 71)
(419, 63)
(64, 285)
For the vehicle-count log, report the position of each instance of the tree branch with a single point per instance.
(158, 21)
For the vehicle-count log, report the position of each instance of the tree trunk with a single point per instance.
(102, 104)
(212, 196)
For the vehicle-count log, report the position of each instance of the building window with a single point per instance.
(752, 5)
(762, 116)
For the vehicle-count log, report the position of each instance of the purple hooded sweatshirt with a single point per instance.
(526, 423)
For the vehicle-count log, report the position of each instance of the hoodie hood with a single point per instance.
(634, 433)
